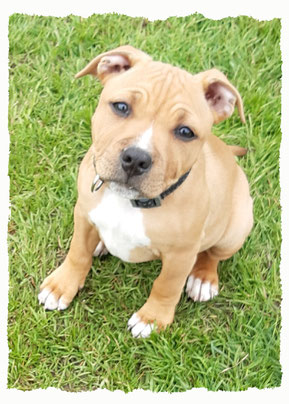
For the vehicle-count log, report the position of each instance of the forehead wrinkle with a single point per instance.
(139, 92)
(180, 110)
(167, 85)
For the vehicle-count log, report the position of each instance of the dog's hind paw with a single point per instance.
(200, 291)
(100, 250)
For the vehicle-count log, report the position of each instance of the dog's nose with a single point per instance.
(135, 161)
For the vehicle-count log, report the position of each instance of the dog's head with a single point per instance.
(153, 119)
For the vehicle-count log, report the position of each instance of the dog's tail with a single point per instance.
(238, 151)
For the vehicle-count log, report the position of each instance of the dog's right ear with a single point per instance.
(114, 62)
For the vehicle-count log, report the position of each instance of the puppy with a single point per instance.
(156, 184)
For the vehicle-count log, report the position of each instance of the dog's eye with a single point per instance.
(184, 133)
(121, 108)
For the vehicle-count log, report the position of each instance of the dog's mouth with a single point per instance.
(145, 186)
(134, 188)
(124, 190)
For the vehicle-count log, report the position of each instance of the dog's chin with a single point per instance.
(124, 191)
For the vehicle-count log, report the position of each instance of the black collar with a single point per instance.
(145, 203)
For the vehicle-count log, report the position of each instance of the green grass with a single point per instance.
(230, 343)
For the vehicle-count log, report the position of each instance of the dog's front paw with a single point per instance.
(51, 301)
(150, 317)
(58, 289)
(200, 291)
(138, 328)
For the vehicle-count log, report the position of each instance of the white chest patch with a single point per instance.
(119, 224)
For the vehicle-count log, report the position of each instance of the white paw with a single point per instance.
(200, 291)
(100, 250)
(138, 328)
(50, 302)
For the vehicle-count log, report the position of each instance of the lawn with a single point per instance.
(230, 343)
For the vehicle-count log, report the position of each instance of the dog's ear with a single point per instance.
(115, 61)
(221, 95)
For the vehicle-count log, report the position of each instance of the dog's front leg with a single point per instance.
(160, 307)
(60, 287)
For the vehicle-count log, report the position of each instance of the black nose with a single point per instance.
(135, 161)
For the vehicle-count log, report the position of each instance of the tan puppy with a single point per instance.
(166, 188)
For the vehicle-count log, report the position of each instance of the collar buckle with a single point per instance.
(145, 203)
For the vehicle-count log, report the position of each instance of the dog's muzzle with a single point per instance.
(135, 162)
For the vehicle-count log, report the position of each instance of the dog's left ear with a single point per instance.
(221, 95)
(114, 62)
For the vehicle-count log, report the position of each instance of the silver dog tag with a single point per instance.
(96, 184)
